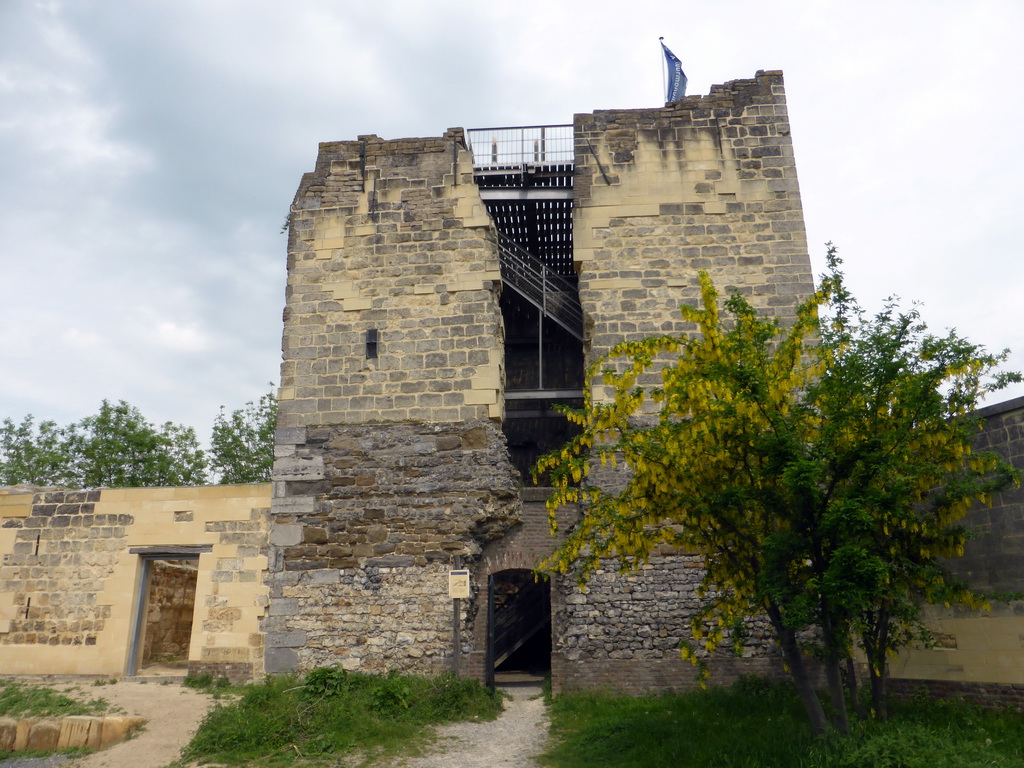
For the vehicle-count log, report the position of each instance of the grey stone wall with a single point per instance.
(624, 631)
(994, 559)
(364, 534)
(390, 459)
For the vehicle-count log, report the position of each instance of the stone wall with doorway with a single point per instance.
(72, 562)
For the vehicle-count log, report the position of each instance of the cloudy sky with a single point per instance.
(149, 150)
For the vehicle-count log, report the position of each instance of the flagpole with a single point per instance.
(664, 65)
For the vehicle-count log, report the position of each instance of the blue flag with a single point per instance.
(676, 77)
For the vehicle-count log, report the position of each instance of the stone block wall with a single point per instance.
(994, 559)
(624, 632)
(358, 567)
(708, 182)
(391, 237)
(61, 556)
(979, 655)
(72, 564)
(390, 457)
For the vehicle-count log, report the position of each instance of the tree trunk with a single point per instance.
(851, 686)
(833, 676)
(875, 645)
(836, 694)
(878, 700)
(798, 671)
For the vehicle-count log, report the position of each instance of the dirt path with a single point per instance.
(172, 711)
(510, 741)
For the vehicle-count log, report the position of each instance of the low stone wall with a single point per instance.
(988, 695)
(47, 734)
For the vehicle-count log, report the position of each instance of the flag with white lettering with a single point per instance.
(676, 77)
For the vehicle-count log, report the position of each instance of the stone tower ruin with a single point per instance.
(443, 293)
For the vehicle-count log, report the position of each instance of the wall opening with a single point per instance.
(164, 611)
(520, 635)
(525, 178)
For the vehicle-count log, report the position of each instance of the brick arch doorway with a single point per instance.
(519, 623)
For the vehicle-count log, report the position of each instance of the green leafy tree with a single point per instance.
(818, 469)
(242, 443)
(113, 448)
(32, 454)
(118, 448)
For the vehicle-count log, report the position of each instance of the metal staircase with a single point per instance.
(551, 293)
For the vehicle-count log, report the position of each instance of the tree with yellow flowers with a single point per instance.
(819, 469)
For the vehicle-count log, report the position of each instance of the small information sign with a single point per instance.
(458, 584)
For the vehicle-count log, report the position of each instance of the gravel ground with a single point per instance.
(34, 762)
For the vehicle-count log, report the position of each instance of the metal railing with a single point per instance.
(521, 145)
(551, 293)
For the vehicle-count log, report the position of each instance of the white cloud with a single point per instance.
(149, 152)
(181, 338)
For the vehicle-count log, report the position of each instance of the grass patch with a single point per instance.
(758, 725)
(331, 712)
(20, 700)
(206, 682)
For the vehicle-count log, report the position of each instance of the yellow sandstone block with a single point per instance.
(343, 289)
(349, 305)
(615, 284)
(486, 380)
(480, 397)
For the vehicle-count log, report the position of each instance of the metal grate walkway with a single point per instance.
(525, 178)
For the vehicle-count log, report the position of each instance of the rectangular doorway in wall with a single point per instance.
(164, 611)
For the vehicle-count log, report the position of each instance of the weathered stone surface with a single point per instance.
(116, 728)
(71, 569)
(280, 660)
(78, 731)
(43, 736)
(993, 560)
(285, 535)
(8, 733)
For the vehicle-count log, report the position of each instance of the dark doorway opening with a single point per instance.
(519, 638)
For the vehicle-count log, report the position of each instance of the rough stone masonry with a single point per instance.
(391, 460)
